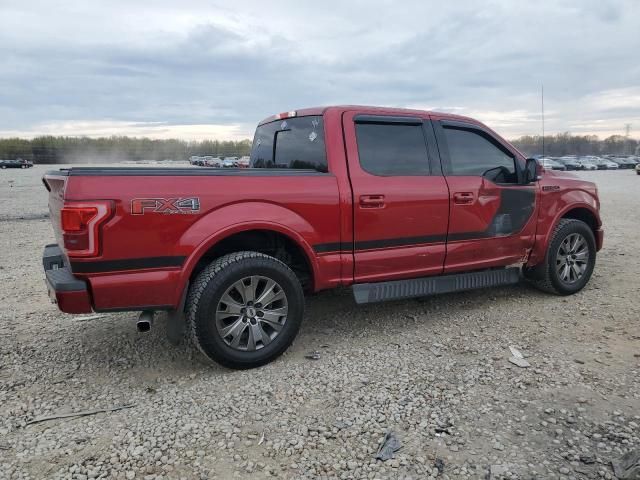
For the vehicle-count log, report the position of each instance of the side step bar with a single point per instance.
(420, 287)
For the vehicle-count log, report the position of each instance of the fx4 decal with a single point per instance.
(167, 206)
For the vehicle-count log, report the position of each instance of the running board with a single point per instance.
(420, 287)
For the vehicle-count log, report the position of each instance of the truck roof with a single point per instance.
(383, 110)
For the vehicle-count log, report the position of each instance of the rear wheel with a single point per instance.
(245, 309)
(570, 259)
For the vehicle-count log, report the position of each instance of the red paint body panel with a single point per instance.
(476, 216)
(344, 241)
(412, 207)
(72, 302)
(572, 193)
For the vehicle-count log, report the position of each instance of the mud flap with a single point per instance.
(176, 321)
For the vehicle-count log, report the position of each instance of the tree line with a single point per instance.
(567, 144)
(51, 149)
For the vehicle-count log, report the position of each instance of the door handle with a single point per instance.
(463, 198)
(371, 201)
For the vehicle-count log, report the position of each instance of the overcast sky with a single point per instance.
(213, 69)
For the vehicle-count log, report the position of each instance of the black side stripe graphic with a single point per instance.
(516, 208)
(126, 264)
(383, 243)
(331, 247)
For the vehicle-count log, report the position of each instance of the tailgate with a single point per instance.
(55, 182)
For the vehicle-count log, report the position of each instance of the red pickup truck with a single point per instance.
(395, 203)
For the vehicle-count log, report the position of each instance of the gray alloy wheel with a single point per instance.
(244, 309)
(251, 313)
(572, 258)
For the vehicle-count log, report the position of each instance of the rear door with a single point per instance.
(400, 198)
(492, 220)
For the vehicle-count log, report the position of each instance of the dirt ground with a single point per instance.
(434, 371)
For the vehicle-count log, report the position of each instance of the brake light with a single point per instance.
(282, 115)
(80, 224)
(76, 219)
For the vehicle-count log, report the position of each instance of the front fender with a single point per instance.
(554, 207)
(222, 222)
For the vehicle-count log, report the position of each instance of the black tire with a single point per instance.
(545, 276)
(211, 284)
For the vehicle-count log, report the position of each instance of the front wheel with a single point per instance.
(245, 309)
(570, 259)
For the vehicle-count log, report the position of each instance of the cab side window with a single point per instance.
(473, 154)
(387, 149)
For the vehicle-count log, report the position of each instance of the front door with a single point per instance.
(493, 217)
(400, 203)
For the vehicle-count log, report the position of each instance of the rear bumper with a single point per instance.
(68, 292)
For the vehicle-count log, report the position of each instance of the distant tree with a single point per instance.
(49, 149)
(567, 144)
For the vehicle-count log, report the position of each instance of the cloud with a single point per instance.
(176, 67)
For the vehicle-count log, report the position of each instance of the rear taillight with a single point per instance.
(76, 219)
(80, 224)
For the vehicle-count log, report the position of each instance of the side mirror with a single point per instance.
(530, 171)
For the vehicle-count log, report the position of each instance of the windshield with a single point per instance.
(290, 143)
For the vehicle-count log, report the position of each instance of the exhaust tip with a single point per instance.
(145, 321)
(143, 325)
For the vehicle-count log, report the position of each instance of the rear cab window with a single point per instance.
(294, 143)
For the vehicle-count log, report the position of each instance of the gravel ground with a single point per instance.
(433, 371)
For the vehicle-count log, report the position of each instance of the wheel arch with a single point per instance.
(270, 238)
(579, 211)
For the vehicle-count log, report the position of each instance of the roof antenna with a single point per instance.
(542, 105)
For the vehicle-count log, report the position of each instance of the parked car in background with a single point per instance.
(18, 163)
(549, 164)
(215, 162)
(623, 162)
(596, 161)
(587, 164)
(230, 162)
(608, 164)
(244, 162)
(570, 162)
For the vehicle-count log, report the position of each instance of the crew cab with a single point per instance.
(394, 203)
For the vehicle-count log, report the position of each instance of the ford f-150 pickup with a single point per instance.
(394, 203)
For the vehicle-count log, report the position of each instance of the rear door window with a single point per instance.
(392, 149)
(296, 143)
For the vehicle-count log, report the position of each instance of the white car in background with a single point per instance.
(230, 162)
(587, 164)
(213, 162)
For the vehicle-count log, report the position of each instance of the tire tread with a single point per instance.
(202, 281)
(543, 272)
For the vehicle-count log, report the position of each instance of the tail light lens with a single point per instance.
(80, 224)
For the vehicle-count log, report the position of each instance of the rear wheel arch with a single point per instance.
(272, 240)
